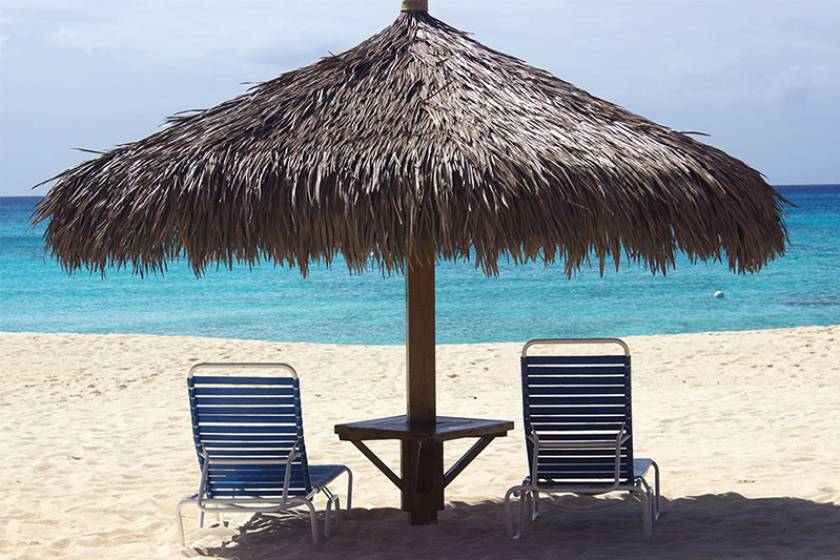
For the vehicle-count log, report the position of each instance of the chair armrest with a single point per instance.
(620, 440)
(293, 454)
(254, 462)
(560, 445)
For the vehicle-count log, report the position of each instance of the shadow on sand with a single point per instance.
(710, 526)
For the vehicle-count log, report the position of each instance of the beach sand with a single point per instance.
(746, 427)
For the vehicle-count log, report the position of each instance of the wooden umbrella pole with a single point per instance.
(421, 463)
(414, 5)
(420, 340)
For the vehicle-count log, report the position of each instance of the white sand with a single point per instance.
(97, 450)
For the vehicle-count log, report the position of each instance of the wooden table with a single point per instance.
(421, 460)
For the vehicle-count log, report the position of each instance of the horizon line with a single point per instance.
(837, 184)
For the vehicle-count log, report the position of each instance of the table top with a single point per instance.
(445, 428)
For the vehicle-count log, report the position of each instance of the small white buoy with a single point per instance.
(719, 294)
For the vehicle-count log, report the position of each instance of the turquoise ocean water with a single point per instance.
(802, 288)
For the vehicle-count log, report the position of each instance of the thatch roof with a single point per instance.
(419, 135)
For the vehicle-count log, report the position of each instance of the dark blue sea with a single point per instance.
(269, 303)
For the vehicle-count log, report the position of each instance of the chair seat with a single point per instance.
(641, 466)
(640, 469)
(321, 475)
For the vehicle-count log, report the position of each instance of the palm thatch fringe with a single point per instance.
(418, 137)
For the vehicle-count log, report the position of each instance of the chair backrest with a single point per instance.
(576, 399)
(250, 413)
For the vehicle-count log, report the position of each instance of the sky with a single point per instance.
(761, 77)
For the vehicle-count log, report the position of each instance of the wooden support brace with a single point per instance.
(466, 459)
(379, 464)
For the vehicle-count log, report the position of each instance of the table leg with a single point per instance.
(422, 475)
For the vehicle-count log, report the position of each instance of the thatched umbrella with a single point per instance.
(419, 143)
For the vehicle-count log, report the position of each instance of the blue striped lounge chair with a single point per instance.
(579, 431)
(248, 433)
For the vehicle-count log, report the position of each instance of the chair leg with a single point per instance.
(644, 494)
(653, 513)
(657, 508)
(313, 520)
(328, 519)
(349, 489)
(535, 506)
(180, 519)
(511, 493)
(524, 511)
(201, 519)
(331, 515)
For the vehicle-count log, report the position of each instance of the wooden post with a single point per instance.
(420, 341)
(422, 464)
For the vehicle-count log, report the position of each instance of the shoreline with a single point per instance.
(399, 345)
(98, 449)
